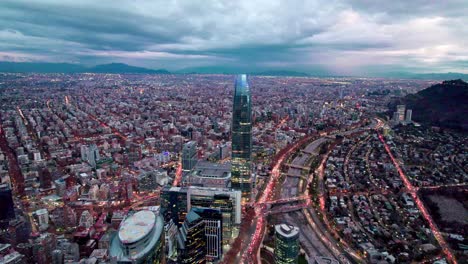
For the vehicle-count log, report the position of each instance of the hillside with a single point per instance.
(444, 104)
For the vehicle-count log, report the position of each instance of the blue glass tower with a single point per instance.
(241, 172)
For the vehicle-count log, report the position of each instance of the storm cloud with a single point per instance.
(344, 37)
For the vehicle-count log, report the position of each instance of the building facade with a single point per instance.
(189, 156)
(286, 244)
(177, 201)
(139, 239)
(242, 138)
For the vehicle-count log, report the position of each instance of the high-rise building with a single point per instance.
(93, 155)
(42, 219)
(286, 244)
(401, 112)
(170, 238)
(409, 112)
(7, 210)
(177, 201)
(189, 156)
(174, 204)
(242, 138)
(45, 178)
(191, 240)
(213, 232)
(90, 154)
(226, 206)
(200, 237)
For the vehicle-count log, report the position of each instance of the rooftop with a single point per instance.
(136, 227)
(212, 170)
(287, 230)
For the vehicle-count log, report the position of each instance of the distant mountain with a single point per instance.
(281, 73)
(424, 76)
(26, 67)
(444, 104)
(40, 67)
(236, 70)
(123, 68)
(212, 70)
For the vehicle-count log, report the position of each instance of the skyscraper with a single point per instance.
(192, 240)
(401, 112)
(7, 210)
(189, 156)
(241, 175)
(200, 237)
(286, 244)
(409, 112)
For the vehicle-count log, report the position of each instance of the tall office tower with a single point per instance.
(409, 112)
(286, 244)
(229, 202)
(200, 237)
(174, 204)
(45, 178)
(93, 155)
(7, 210)
(226, 206)
(401, 112)
(84, 152)
(177, 201)
(189, 156)
(242, 138)
(213, 232)
(170, 240)
(90, 154)
(191, 240)
(42, 219)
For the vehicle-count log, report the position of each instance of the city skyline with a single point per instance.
(220, 132)
(337, 38)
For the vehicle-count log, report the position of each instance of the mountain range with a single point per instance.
(25, 67)
(44, 67)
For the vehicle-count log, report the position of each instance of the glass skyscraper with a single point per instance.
(241, 174)
(286, 244)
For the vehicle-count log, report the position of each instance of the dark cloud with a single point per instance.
(343, 36)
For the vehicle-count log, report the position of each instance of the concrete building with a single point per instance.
(401, 112)
(42, 219)
(409, 113)
(208, 174)
(90, 154)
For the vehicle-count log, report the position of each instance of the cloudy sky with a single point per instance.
(343, 37)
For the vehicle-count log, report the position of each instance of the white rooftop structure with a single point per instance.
(138, 239)
(287, 230)
(136, 227)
